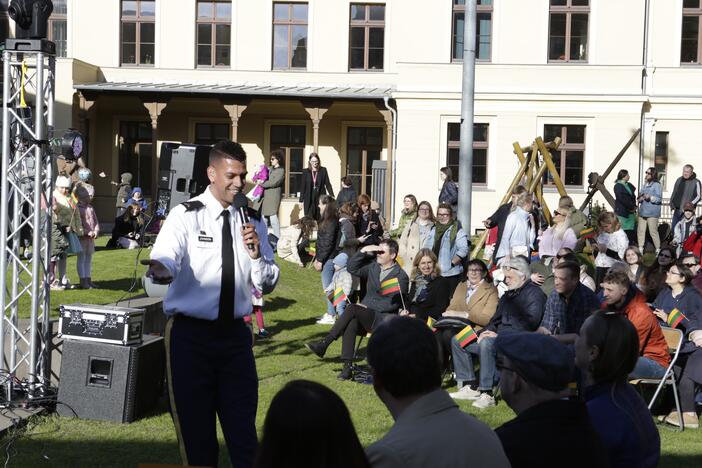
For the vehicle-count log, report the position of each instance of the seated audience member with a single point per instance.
(368, 222)
(542, 270)
(693, 243)
(606, 352)
(680, 305)
(521, 308)
(294, 239)
(652, 281)
(534, 374)
(620, 295)
(128, 228)
(558, 236)
(611, 245)
(578, 221)
(634, 260)
(520, 230)
(430, 430)
(415, 234)
(327, 247)
(450, 244)
(684, 229)
(692, 261)
(349, 242)
(310, 415)
(385, 283)
(429, 291)
(567, 255)
(569, 304)
(347, 194)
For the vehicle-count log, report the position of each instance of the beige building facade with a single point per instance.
(381, 80)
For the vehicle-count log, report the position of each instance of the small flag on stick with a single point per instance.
(675, 317)
(587, 233)
(389, 286)
(466, 336)
(337, 296)
(430, 324)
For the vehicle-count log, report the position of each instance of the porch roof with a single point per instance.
(302, 90)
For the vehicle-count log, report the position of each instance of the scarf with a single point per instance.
(421, 291)
(439, 234)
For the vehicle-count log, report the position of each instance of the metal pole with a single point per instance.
(465, 166)
(3, 210)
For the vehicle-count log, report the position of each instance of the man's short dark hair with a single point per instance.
(393, 247)
(619, 277)
(227, 149)
(347, 181)
(573, 268)
(404, 356)
(444, 206)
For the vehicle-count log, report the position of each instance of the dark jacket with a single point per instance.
(129, 227)
(310, 192)
(624, 423)
(499, 218)
(328, 237)
(365, 266)
(435, 302)
(689, 303)
(624, 202)
(449, 193)
(363, 227)
(519, 310)
(554, 433)
(678, 199)
(346, 195)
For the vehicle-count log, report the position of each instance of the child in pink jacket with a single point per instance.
(84, 192)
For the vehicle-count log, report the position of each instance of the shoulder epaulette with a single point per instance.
(193, 205)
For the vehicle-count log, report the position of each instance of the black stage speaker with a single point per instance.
(111, 382)
(182, 173)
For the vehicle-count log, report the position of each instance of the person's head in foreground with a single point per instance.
(308, 425)
(404, 357)
(534, 368)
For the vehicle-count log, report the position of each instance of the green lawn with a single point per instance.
(290, 313)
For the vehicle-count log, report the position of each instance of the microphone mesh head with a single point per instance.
(240, 201)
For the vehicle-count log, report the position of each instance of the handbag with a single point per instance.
(74, 246)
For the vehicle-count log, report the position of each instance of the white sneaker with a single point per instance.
(327, 319)
(484, 401)
(465, 393)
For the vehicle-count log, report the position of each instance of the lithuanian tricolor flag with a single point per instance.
(675, 317)
(389, 286)
(430, 324)
(337, 297)
(466, 336)
(587, 233)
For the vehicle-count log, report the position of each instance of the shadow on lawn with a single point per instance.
(278, 303)
(121, 284)
(679, 461)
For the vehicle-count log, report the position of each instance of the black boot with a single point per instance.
(320, 347)
(347, 371)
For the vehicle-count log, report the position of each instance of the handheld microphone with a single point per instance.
(241, 203)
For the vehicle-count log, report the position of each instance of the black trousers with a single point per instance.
(691, 364)
(211, 373)
(356, 320)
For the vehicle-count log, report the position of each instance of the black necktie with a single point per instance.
(226, 294)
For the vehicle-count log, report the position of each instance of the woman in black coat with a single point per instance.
(315, 182)
(449, 190)
(625, 205)
(430, 292)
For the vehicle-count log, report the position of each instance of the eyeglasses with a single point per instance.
(475, 270)
(443, 214)
(671, 272)
(690, 265)
(557, 213)
(665, 255)
(648, 173)
(424, 209)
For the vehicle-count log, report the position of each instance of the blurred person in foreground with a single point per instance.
(430, 430)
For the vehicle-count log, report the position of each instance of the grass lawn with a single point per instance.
(290, 314)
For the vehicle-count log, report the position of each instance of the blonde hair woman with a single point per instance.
(611, 246)
(558, 236)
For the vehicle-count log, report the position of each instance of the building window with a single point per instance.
(570, 157)
(138, 32)
(367, 37)
(480, 151)
(660, 161)
(57, 27)
(214, 27)
(290, 139)
(211, 133)
(135, 153)
(691, 32)
(567, 31)
(363, 147)
(483, 30)
(289, 35)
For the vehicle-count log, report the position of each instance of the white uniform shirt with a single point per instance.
(190, 246)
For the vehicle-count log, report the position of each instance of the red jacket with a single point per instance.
(652, 343)
(694, 244)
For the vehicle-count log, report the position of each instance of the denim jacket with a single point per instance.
(651, 208)
(448, 251)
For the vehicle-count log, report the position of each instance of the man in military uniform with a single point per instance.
(211, 260)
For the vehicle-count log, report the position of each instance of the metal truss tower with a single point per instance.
(25, 213)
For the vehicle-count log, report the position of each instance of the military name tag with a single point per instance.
(204, 239)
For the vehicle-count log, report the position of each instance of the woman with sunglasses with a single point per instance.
(606, 352)
(681, 295)
(652, 281)
(650, 198)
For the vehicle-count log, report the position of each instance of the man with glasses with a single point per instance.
(386, 283)
(534, 374)
(692, 261)
(450, 245)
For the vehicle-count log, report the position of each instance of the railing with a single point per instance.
(667, 212)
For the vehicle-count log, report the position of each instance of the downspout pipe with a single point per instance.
(393, 188)
(644, 91)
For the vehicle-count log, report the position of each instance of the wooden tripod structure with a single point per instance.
(535, 160)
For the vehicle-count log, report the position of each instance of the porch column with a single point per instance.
(85, 112)
(387, 116)
(234, 110)
(154, 109)
(316, 114)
